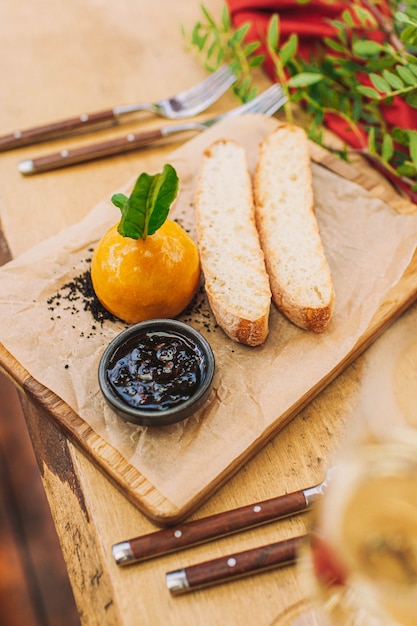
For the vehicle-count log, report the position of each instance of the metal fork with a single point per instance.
(184, 104)
(266, 103)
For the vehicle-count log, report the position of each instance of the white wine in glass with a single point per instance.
(361, 558)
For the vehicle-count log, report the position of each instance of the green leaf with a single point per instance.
(289, 49)
(402, 17)
(305, 78)
(369, 92)
(411, 99)
(347, 18)
(147, 207)
(387, 148)
(211, 49)
(412, 134)
(208, 16)
(407, 75)
(364, 16)
(195, 36)
(413, 67)
(257, 60)
(334, 45)
(366, 47)
(226, 18)
(273, 32)
(119, 200)
(371, 141)
(250, 48)
(400, 136)
(239, 34)
(379, 83)
(409, 35)
(406, 169)
(393, 80)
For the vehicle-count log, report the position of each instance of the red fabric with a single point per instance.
(308, 21)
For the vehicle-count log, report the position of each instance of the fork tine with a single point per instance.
(267, 100)
(209, 89)
(197, 99)
(267, 103)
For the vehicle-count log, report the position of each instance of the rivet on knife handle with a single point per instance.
(234, 566)
(206, 528)
(88, 153)
(30, 136)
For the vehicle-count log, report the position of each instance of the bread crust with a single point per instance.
(300, 277)
(232, 260)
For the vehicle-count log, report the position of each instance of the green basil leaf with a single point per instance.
(119, 200)
(147, 207)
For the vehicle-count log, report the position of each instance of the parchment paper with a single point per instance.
(368, 246)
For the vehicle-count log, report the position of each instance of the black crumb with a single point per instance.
(78, 295)
(198, 312)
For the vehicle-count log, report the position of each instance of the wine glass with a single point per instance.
(359, 563)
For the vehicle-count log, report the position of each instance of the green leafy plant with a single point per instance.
(217, 42)
(348, 76)
(147, 207)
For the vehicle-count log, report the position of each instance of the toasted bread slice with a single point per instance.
(300, 277)
(232, 260)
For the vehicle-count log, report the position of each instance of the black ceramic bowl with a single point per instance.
(157, 372)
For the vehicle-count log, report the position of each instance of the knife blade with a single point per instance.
(238, 565)
(215, 526)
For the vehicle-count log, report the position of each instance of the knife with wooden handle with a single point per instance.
(214, 526)
(82, 154)
(30, 136)
(238, 565)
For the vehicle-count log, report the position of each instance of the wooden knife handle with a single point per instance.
(37, 134)
(88, 153)
(206, 528)
(234, 566)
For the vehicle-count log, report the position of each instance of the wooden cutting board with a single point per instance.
(128, 479)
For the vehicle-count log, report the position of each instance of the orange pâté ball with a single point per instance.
(141, 279)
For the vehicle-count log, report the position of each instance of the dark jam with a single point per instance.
(156, 370)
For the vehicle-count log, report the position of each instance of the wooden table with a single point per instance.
(57, 61)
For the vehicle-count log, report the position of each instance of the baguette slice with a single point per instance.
(232, 260)
(300, 278)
